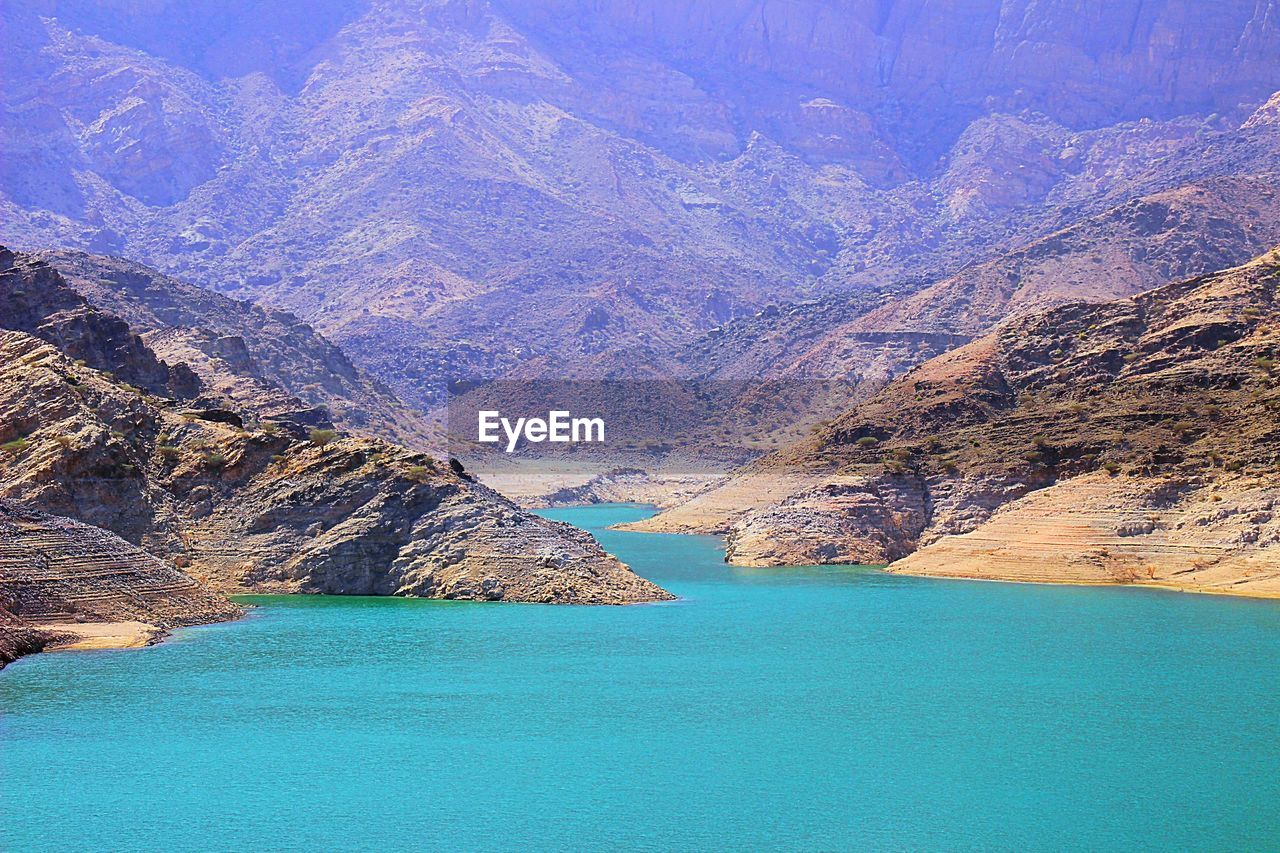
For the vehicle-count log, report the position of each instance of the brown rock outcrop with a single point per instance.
(363, 518)
(268, 505)
(264, 510)
(56, 573)
(1130, 441)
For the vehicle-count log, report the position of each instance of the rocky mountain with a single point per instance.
(262, 361)
(1129, 441)
(792, 366)
(872, 336)
(890, 66)
(455, 188)
(160, 497)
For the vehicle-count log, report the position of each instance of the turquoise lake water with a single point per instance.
(831, 708)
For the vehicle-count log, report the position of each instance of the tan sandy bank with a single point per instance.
(88, 636)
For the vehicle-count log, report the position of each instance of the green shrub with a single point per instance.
(167, 452)
(418, 473)
(215, 461)
(1111, 468)
(321, 437)
(867, 441)
(16, 446)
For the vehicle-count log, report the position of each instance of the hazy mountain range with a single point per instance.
(457, 188)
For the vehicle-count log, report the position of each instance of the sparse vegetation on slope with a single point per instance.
(1154, 437)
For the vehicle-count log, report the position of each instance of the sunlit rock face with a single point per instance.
(456, 188)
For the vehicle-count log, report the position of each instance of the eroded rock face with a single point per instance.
(1130, 441)
(55, 569)
(36, 300)
(56, 573)
(264, 510)
(357, 518)
(252, 505)
(1205, 535)
(868, 521)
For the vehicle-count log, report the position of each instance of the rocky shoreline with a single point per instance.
(1128, 442)
(136, 493)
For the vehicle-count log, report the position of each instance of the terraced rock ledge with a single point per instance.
(1135, 441)
(136, 495)
(68, 584)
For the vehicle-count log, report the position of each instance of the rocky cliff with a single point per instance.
(1130, 441)
(248, 502)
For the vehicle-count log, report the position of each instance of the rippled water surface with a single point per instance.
(832, 708)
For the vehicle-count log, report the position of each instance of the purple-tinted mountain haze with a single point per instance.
(450, 188)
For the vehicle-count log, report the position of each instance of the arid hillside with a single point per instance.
(131, 491)
(1129, 441)
(458, 189)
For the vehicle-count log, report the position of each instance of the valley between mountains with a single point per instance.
(994, 288)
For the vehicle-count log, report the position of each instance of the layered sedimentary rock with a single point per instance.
(1173, 531)
(248, 504)
(368, 519)
(59, 572)
(1130, 441)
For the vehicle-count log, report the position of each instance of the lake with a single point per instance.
(813, 709)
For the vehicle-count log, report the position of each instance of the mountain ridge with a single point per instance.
(1128, 441)
(452, 190)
